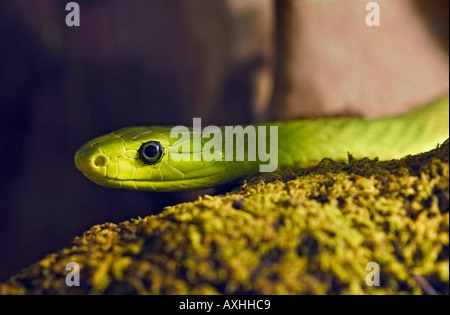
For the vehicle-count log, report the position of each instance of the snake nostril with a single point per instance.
(101, 160)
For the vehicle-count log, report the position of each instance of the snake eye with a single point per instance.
(151, 152)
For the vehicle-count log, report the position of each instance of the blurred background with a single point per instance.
(161, 62)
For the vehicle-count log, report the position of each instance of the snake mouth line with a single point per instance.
(162, 185)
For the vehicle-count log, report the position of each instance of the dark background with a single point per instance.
(129, 63)
(165, 62)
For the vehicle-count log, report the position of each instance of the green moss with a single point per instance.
(293, 232)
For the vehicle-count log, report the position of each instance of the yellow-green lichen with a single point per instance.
(308, 231)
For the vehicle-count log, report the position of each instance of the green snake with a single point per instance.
(142, 158)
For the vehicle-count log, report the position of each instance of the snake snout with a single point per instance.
(90, 160)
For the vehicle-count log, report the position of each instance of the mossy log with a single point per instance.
(305, 231)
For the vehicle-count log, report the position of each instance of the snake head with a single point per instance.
(147, 158)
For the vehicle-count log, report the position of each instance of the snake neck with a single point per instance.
(278, 145)
(300, 143)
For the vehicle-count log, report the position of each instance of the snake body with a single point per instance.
(116, 160)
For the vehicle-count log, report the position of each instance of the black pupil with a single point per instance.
(151, 150)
